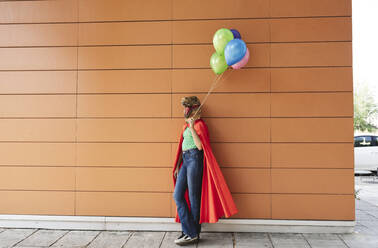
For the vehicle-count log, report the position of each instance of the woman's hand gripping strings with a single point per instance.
(196, 139)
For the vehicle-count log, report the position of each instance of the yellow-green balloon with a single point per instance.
(221, 38)
(218, 63)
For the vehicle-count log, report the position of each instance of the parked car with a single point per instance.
(365, 153)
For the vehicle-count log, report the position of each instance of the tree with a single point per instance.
(365, 109)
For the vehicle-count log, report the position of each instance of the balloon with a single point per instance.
(221, 38)
(218, 63)
(235, 51)
(235, 33)
(242, 62)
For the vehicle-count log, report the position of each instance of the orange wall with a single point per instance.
(90, 111)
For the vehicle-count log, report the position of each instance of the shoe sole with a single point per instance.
(186, 242)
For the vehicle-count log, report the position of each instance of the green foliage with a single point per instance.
(365, 109)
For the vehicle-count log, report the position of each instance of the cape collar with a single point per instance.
(187, 124)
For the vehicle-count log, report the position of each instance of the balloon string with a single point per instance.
(213, 86)
(224, 79)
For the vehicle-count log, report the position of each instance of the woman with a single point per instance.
(200, 189)
(189, 176)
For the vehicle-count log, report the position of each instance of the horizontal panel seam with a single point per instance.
(165, 117)
(173, 142)
(177, 68)
(227, 142)
(161, 192)
(170, 167)
(183, 20)
(179, 44)
(176, 92)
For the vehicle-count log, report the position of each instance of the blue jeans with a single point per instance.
(189, 177)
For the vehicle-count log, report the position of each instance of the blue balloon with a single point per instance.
(235, 51)
(236, 34)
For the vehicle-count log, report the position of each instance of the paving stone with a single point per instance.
(324, 240)
(30, 246)
(365, 215)
(373, 213)
(75, 238)
(372, 221)
(212, 239)
(354, 240)
(145, 239)
(358, 228)
(253, 240)
(368, 192)
(10, 237)
(288, 240)
(373, 226)
(169, 238)
(110, 239)
(368, 222)
(25, 238)
(364, 205)
(42, 238)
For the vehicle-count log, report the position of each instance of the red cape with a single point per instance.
(216, 199)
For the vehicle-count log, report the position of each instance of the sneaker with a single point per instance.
(179, 238)
(182, 235)
(186, 239)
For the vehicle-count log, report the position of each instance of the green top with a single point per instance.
(188, 141)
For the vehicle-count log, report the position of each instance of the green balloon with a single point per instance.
(221, 38)
(218, 63)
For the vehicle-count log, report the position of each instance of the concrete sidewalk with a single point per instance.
(365, 235)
